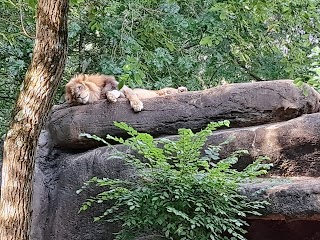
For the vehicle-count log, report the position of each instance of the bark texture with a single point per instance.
(29, 114)
(244, 104)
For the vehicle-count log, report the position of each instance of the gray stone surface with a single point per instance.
(290, 198)
(293, 146)
(260, 114)
(294, 192)
(245, 104)
(57, 178)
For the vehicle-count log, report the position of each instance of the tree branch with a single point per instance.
(254, 76)
(24, 31)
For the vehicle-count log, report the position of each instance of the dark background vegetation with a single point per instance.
(153, 44)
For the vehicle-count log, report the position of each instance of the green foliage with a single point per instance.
(15, 52)
(313, 78)
(195, 43)
(167, 43)
(178, 193)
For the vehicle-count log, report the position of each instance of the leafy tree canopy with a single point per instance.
(153, 44)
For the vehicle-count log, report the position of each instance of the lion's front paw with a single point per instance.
(112, 96)
(136, 105)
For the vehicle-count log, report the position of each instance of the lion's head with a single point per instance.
(80, 90)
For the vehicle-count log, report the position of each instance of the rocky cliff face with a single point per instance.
(260, 114)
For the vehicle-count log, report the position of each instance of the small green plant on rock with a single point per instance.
(178, 192)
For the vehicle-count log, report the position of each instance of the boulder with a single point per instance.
(293, 146)
(56, 206)
(290, 198)
(292, 186)
(274, 119)
(244, 104)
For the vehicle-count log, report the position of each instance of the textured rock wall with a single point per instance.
(64, 163)
(245, 104)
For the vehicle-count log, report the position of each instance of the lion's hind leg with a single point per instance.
(169, 90)
(135, 102)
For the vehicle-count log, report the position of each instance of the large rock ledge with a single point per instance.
(276, 118)
(295, 198)
(245, 104)
(57, 217)
(292, 145)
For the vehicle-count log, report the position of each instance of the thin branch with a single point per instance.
(257, 78)
(11, 2)
(22, 25)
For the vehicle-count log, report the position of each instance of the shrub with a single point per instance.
(178, 192)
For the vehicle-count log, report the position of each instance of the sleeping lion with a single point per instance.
(86, 88)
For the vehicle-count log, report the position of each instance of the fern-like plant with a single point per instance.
(179, 193)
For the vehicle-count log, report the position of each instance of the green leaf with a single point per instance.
(94, 137)
(127, 67)
(206, 41)
(170, 45)
(137, 78)
(121, 84)
(32, 3)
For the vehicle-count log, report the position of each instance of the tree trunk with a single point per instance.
(29, 114)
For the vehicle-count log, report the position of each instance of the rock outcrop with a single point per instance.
(260, 114)
(244, 104)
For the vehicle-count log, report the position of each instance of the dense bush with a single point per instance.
(178, 194)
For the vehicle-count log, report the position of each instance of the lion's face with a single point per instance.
(80, 93)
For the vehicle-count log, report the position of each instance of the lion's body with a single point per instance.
(86, 88)
(145, 93)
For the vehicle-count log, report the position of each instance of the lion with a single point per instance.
(85, 88)
(89, 88)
